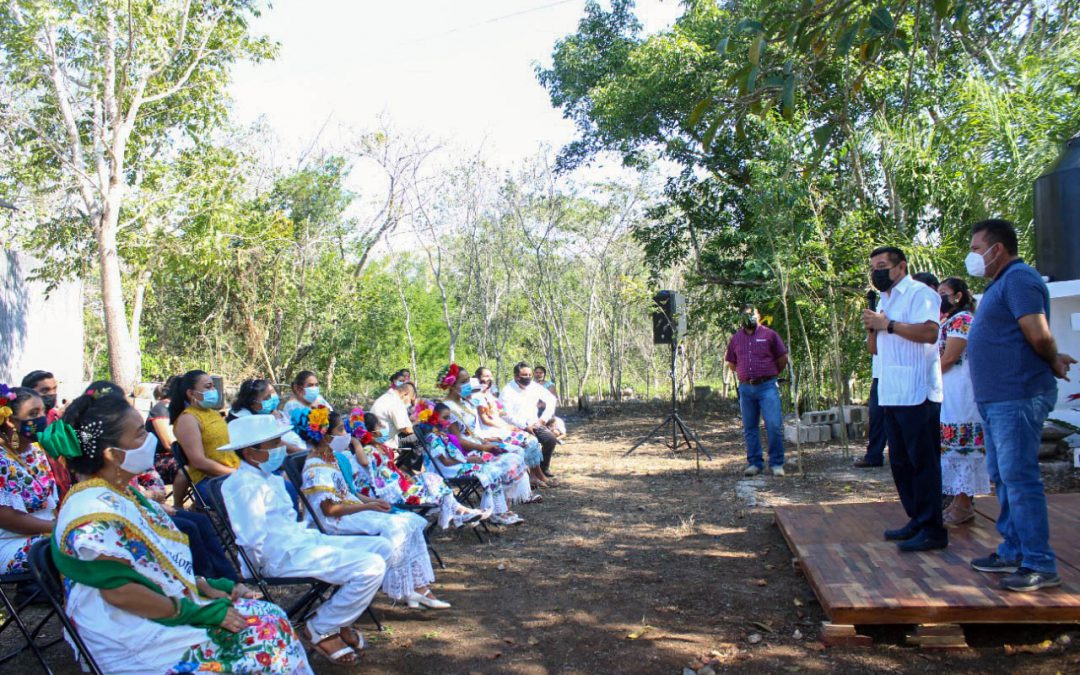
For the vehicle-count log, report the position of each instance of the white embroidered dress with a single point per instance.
(409, 566)
(98, 520)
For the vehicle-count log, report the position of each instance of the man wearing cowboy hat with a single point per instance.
(262, 517)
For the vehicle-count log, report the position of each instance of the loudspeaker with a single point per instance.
(669, 318)
(219, 384)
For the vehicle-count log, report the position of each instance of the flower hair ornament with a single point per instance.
(425, 414)
(354, 425)
(449, 376)
(98, 393)
(424, 411)
(6, 397)
(311, 424)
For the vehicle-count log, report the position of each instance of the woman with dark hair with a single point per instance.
(259, 397)
(256, 397)
(28, 493)
(489, 423)
(371, 470)
(306, 393)
(208, 556)
(452, 456)
(131, 589)
(409, 574)
(963, 448)
(200, 428)
(158, 424)
(509, 459)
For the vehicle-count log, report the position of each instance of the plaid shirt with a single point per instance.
(755, 354)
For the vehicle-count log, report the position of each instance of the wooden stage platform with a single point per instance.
(859, 578)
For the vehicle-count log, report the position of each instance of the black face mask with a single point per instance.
(749, 322)
(881, 280)
(524, 381)
(947, 304)
(49, 400)
(30, 429)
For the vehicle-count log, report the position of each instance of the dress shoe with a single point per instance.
(866, 464)
(901, 534)
(924, 541)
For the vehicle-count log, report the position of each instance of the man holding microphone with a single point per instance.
(903, 335)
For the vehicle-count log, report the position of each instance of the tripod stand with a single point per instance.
(678, 426)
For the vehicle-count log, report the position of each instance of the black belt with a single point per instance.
(759, 380)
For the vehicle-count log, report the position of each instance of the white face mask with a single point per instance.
(976, 264)
(141, 459)
(340, 443)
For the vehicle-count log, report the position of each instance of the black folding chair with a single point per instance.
(317, 590)
(182, 465)
(294, 469)
(44, 572)
(465, 487)
(12, 609)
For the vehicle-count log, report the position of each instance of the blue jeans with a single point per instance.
(207, 556)
(757, 401)
(1013, 431)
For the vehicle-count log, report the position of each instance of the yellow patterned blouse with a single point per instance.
(215, 433)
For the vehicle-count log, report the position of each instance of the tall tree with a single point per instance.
(91, 89)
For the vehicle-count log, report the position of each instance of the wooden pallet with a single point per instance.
(859, 578)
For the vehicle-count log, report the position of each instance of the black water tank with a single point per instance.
(1057, 216)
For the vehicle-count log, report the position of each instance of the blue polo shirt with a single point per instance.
(1002, 364)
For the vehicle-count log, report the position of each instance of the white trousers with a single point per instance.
(356, 564)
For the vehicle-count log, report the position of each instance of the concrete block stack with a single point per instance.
(821, 426)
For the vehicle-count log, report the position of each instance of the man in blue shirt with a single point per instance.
(1013, 361)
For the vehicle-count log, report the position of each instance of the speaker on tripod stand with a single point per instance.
(669, 328)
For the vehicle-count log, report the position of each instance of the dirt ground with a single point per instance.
(644, 565)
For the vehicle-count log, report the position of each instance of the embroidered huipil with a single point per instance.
(99, 520)
(26, 484)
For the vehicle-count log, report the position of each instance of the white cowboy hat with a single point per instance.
(251, 430)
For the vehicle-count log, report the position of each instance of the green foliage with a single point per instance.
(811, 132)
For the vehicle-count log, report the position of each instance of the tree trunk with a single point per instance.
(123, 367)
(330, 373)
(136, 319)
(408, 324)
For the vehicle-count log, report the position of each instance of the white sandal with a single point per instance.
(338, 657)
(415, 600)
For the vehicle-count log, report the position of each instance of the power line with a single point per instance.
(496, 19)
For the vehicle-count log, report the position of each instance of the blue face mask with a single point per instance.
(277, 456)
(270, 404)
(311, 394)
(466, 390)
(383, 437)
(210, 398)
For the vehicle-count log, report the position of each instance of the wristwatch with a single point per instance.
(892, 327)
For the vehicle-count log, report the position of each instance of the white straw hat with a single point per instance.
(251, 430)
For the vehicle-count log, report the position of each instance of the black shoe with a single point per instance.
(901, 534)
(995, 563)
(864, 463)
(548, 473)
(924, 541)
(1024, 580)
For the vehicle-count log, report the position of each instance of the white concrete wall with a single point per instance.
(39, 332)
(1065, 325)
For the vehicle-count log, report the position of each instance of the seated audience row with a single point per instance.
(140, 567)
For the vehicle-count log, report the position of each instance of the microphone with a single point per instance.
(871, 300)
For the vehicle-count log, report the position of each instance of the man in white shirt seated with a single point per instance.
(519, 398)
(392, 409)
(262, 517)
